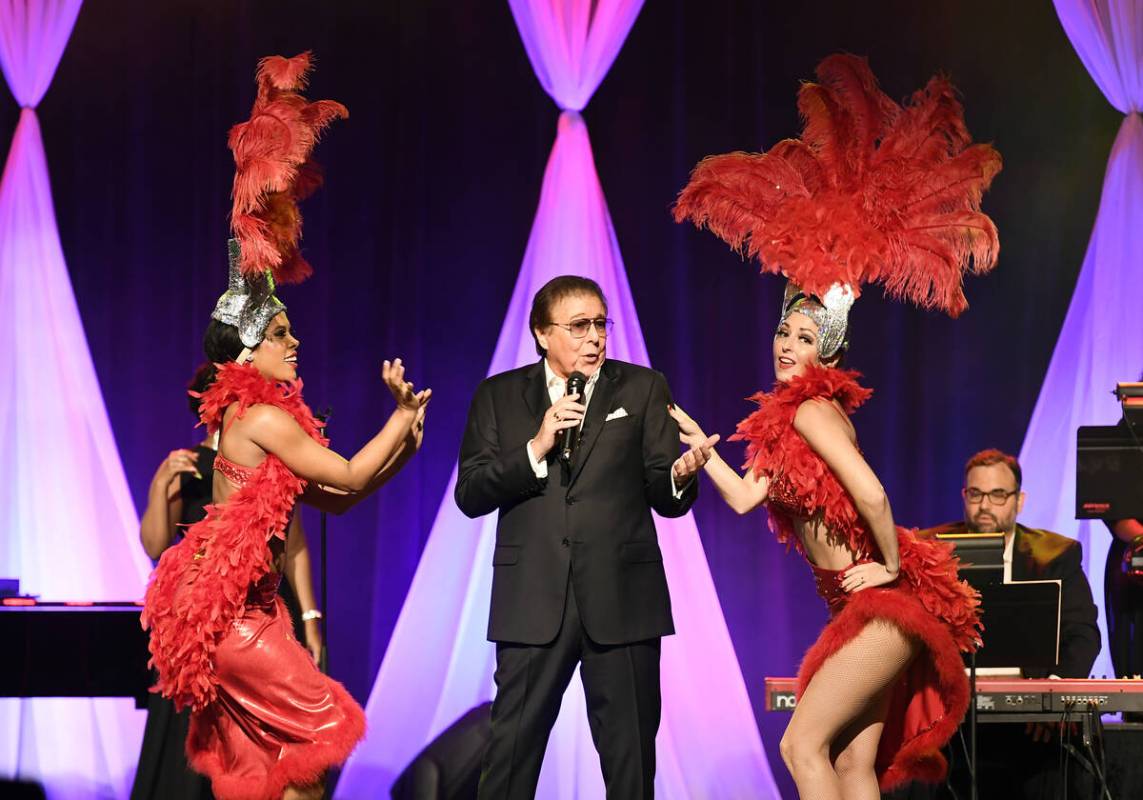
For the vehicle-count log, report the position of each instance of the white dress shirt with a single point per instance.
(557, 388)
(1009, 542)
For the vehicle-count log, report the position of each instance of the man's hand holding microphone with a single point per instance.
(561, 422)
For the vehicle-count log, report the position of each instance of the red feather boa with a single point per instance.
(200, 585)
(796, 472)
(802, 485)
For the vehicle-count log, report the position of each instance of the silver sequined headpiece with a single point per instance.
(248, 305)
(830, 314)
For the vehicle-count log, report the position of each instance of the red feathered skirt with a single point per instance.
(929, 603)
(278, 721)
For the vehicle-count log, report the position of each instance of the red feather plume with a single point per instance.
(274, 169)
(872, 192)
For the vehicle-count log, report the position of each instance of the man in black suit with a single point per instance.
(577, 572)
(1014, 762)
(992, 500)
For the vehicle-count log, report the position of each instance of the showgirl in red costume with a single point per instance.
(265, 722)
(872, 192)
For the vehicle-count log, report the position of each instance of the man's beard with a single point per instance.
(990, 524)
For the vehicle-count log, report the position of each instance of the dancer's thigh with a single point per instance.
(850, 686)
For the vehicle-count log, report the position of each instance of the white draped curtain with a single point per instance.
(1101, 341)
(70, 531)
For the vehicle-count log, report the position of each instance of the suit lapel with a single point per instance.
(1022, 560)
(597, 412)
(536, 395)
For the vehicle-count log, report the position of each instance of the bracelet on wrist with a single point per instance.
(313, 613)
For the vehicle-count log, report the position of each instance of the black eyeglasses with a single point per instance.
(997, 497)
(578, 328)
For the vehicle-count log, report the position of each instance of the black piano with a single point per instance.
(73, 650)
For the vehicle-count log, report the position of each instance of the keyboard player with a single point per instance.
(992, 500)
(1016, 762)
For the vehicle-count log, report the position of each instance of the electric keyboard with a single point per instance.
(1017, 695)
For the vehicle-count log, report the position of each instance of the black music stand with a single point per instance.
(981, 557)
(1021, 625)
(1021, 620)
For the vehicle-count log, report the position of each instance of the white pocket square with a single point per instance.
(618, 413)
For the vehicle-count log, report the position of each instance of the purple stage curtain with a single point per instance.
(439, 663)
(70, 530)
(1102, 337)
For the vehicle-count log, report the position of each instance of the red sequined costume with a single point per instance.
(927, 601)
(263, 716)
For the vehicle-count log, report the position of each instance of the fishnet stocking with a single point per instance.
(831, 742)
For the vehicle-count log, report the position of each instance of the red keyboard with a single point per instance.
(1016, 695)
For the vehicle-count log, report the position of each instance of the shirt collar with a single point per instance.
(1009, 543)
(552, 379)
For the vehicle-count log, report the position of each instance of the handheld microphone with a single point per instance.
(569, 437)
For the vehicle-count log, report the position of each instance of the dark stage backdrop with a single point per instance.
(431, 188)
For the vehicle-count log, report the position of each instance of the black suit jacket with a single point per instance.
(594, 519)
(1043, 555)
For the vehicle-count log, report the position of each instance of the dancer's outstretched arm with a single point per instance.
(742, 493)
(336, 501)
(276, 431)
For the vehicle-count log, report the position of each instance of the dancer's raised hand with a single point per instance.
(690, 433)
(408, 399)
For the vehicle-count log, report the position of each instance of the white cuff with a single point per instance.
(676, 490)
(538, 467)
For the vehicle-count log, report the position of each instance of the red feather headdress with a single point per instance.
(274, 169)
(873, 192)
